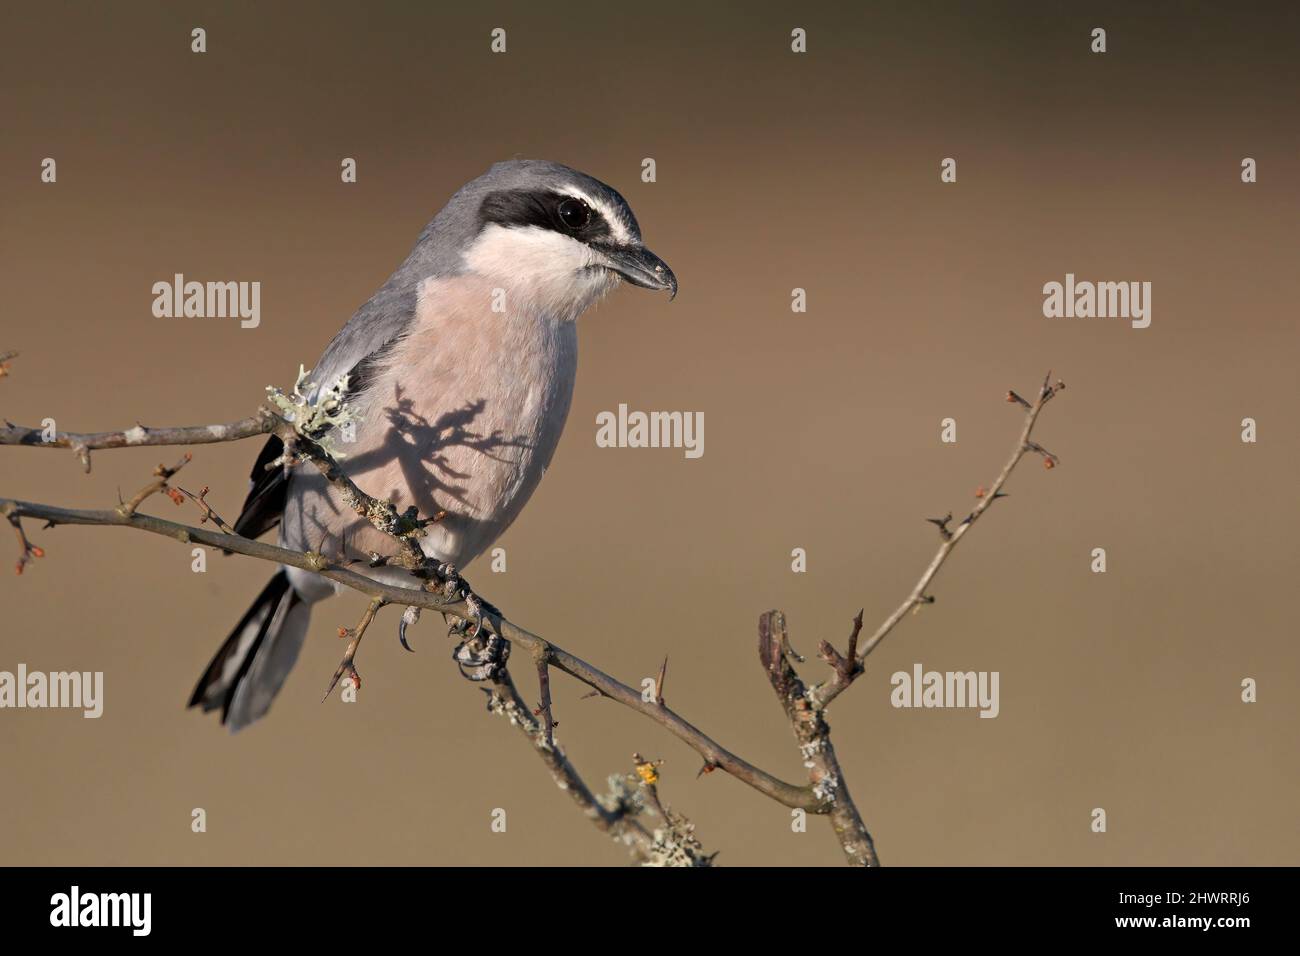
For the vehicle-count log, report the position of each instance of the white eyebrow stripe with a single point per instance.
(616, 224)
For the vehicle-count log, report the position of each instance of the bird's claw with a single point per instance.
(410, 616)
(481, 658)
(481, 654)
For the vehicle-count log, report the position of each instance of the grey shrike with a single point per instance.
(461, 369)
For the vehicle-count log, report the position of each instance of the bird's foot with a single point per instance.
(480, 655)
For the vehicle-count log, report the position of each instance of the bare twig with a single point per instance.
(823, 694)
(846, 666)
(26, 550)
(139, 436)
(354, 635)
(161, 474)
(201, 499)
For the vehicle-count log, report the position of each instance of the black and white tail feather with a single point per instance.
(250, 667)
(252, 663)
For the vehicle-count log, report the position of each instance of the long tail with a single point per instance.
(249, 669)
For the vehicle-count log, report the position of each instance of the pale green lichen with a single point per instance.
(673, 842)
(318, 420)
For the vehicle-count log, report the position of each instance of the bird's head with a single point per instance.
(554, 236)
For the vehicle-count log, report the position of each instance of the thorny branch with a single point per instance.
(443, 590)
(848, 668)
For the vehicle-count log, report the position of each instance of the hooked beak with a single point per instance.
(641, 267)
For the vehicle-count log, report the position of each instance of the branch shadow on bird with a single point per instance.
(418, 461)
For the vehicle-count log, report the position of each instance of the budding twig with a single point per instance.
(27, 550)
(354, 635)
(201, 500)
(161, 474)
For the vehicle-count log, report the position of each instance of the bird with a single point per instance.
(460, 370)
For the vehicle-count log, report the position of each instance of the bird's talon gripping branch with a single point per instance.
(481, 656)
(410, 616)
(480, 650)
(475, 610)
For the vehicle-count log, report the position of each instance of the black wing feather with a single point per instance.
(268, 492)
(265, 502)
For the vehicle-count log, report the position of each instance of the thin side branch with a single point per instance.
(847, 669)
(354, 635)
(26, 550)
(139, 436)
(201, 499)
(161, 474)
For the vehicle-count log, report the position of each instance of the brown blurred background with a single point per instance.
(1118, 690)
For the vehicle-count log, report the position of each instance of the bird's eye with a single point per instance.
(574, 213)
